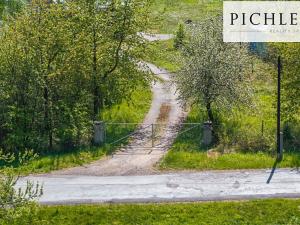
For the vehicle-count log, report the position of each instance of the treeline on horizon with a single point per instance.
(61, 65)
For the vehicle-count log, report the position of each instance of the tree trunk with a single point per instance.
(95, 85)
(96, 101)
(48, 117)
(212, 119)
(209, 112)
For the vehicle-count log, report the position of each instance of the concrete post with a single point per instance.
(207, 133)
(99, 132)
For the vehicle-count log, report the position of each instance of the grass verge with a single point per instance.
(202, 161)
(188, 153)
(163, 55)
(264, 212)
(127, 112)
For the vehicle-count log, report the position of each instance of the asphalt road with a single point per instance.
(185, 186)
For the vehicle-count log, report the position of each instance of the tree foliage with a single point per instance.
(10, 7)
(290, 89)
(62, 64)
(213, 72)
(289, 53)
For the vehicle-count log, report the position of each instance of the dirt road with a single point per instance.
(139, 157)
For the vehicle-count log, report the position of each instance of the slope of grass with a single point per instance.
(264, 212)
(166, 14)
(164, 55)
(127, 112)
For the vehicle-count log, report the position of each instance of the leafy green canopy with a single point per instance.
(213, 72)
(62, 64)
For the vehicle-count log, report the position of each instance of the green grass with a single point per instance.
(201, 161)
(166, 14)
(164, 55)
(129, 112)
(264, 212)
(188, 153)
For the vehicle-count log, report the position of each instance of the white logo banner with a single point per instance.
(261, 21)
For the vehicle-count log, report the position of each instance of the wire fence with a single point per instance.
(252, 136)
(149, 135)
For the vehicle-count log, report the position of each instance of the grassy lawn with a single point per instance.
(202, 161)
(132, 112)
(164, 55)
(264, 212)
(166, 14)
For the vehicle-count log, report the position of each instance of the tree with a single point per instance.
(114, 46)
(290, 83)
(61, 64)
(34, 47)
(213, 72)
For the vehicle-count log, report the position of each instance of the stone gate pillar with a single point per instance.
(99, 132)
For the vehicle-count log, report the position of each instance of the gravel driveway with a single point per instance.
(139, 158)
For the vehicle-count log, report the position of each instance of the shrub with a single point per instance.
(179, 37)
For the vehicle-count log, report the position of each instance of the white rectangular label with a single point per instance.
(261, 21)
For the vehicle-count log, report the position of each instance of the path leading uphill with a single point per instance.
(139, 157)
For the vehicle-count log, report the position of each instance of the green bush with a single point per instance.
(179, 37)
(291, 132)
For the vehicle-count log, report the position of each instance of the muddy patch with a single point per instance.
(164, 112)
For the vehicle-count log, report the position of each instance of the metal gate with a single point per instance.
(149, 136)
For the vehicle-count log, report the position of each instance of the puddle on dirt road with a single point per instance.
(164, 112)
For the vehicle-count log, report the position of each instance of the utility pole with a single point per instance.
(279, 133)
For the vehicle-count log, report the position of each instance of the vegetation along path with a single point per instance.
(143, 151)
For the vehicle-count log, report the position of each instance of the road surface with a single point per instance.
(201, 186)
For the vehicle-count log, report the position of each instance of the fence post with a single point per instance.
(207, 133)
(99, 132)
